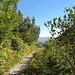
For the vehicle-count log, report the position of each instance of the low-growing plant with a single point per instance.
(2, 66)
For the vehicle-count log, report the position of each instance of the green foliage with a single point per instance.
(29, 32)
(53, 60)
(62, 54)
(17, 44)
(8, 18)
(58, 56)
(15, 33)
(64, 48)
(8, 57)
(2, 66)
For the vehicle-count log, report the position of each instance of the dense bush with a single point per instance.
(53, 60)
(15, 33)
(58, 56)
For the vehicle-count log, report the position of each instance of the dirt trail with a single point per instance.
(20, 67)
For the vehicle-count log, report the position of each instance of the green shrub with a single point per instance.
(2, 66)
(53, 60)
(17, 43)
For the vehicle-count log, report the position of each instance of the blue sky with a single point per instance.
(43, 11)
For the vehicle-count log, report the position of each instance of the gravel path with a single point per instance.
(20, 67)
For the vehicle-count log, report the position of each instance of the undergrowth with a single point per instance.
(8, 57)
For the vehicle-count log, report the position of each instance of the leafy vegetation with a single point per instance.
(58, 55)
(16, 35)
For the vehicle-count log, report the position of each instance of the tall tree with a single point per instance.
(28, 30)
(8, 18)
